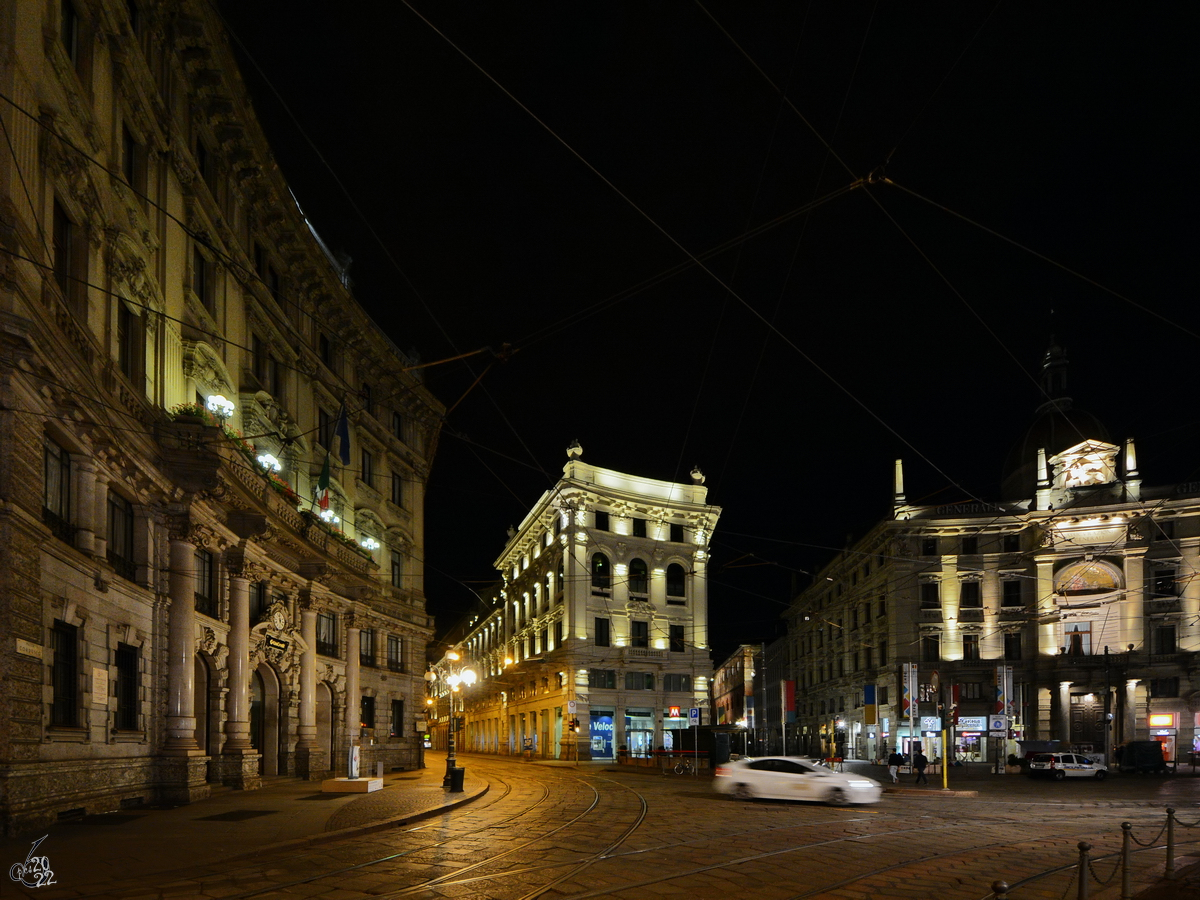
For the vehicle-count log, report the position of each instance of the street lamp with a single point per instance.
(454, 675)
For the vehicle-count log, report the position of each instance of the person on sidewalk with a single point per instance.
(919, 763)
(895, 761)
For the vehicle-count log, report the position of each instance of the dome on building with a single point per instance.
(1056, 425)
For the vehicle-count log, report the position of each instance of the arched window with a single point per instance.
(601, 572)
(676, 581)
(546, 590)
(558, 585)
(639, 577)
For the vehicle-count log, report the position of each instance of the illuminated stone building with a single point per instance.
(1081, 579)
(603, 607)
(175, 346)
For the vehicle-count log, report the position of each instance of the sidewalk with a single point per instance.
(285, 812)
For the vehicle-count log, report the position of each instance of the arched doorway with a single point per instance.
(325, 729)
(264, 719)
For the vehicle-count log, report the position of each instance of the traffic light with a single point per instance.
(575, 725)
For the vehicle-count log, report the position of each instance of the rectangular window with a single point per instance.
(397, 489)
(1164, 687)
(398, 425)
(395, 653)
(1012, 543)
(881, 694)
(639, 681)
(368, 712)
(677, 532)
(1163, 530)
(970, 646)
(68, 30)
(1012, 645)
(602, 678)
(603, 633)
(601, 521)
(120, 536)
(971, 596)
(366, 647)
(56, 491)
(206, 600)
(639, 634)
(325, 424)
(258, 602)
(325, 351)
(1165, 584)
(397, 569)
(70, 261)
(869, 657)
(883, 657)
(64, 674)
(558, 633)
(133, 163)
(327, 640)
(368, 468)
(128, 659)
(970, 545)
(929, 546)
(1164, 639)
(970, 691)
(131, 336)
(202, 285)
(931, 648)
(674, 682)
(930, 595)
(1010, 592)
(676, 639)
(639, 527)
(881, 610)
(396, 728)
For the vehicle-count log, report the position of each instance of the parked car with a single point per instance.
(1066, 765)
(1142, 756)
(793, 778)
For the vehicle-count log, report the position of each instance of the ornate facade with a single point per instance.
(601, 619)
(175, 346)
(1071, 608)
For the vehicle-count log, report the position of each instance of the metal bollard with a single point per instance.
(1126, 875)
(1170, 873)
(1083, 874)
(1000, 890)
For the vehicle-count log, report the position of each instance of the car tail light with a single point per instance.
(721, 770)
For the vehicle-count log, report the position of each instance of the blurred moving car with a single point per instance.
(1066, 765)
(793, 778)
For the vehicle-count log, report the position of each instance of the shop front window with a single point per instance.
(639, 731)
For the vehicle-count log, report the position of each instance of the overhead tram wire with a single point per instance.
(859, 182)
(387, 252)
(871, 178)
(1046, 259)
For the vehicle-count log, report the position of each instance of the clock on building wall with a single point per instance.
(278, 619)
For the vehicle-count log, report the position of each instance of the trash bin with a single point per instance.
(456, 779)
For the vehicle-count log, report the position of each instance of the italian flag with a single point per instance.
(323, 485)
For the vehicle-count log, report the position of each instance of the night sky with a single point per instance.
(839, 324)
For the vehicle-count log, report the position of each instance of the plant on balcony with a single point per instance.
(282, 486)
(191, 412)
(239, 442)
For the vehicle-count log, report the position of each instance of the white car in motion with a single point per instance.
(793, 778)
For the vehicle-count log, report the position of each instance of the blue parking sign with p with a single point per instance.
(694, 715)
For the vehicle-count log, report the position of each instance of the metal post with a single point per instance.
(1000, 890)
(945, 761)
(1082, 875)
(1126, 875)
(1170, 873)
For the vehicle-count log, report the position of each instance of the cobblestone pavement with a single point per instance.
(588, 831)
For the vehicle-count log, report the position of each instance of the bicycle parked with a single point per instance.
(685, 767)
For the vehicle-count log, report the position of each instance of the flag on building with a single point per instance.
(343, 433)
(323, 485)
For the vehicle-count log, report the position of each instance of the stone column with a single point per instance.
(240, 763)
(1061, 712)
(84, 489)
(1133, 629)
(1048, 634)
(1189, 598)
(992, 643)
(311, 760)
(182, 768)
(1129, 712)
(353, 692)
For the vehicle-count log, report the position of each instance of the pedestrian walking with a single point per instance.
(895, 761)
(919, 763)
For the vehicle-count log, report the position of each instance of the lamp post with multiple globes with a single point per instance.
(454, 675)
